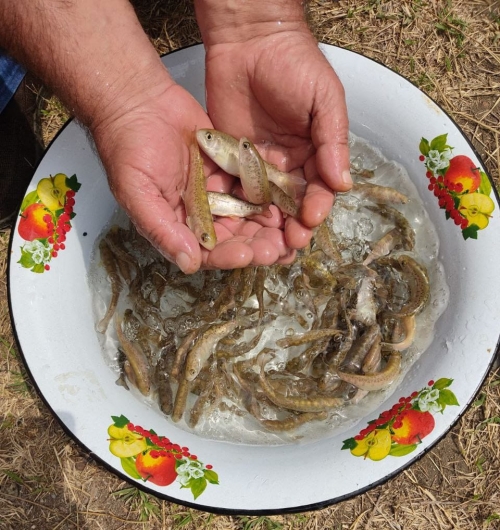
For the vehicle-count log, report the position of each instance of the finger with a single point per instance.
(318, 200)
(229, 254)
(288, 258)
(296, 234)
(329, 130)
(220, 182)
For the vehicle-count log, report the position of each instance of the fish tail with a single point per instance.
(266, 212)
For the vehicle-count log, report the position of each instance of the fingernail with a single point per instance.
(183, 261)
(346, 177)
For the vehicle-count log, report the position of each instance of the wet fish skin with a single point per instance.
(136, 358)
(379, 194)
(198, 214)
(225, 205)
(223, 149)
(202, 348)
(253, 174)
(379, 380)
(308, 336)
(283, 201)
(309, 404)
(110, 266)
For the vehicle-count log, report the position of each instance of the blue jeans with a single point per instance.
(11, 75)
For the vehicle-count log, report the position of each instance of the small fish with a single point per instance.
(163, 383)
(253, 174)
(283, 201)
(223, 149)
(376, 381)
(308, 336)
(181, 399)
(225, 205)
(293, 421)
(372, 360)
(407, 239)
(136, 359)
(384, 246)
(260, 278)
(110, 266)
(380, 194)
(418, 283)
(198, 215)
(366, 307)
(325, 240)
(362, 172)
(202, 348)
(410, 327)
(314, 403)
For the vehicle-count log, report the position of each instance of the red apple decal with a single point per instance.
(463, 171)
(32, 224)
(413, 425)
(156, 468)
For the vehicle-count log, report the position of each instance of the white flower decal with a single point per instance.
(188, 470)
(437, 160)
(40, 253)
(428, 401)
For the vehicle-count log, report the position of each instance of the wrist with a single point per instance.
(230, 21)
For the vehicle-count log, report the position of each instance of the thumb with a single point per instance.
(155, 220)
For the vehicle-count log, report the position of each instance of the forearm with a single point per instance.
(92, 53)
(223, 21)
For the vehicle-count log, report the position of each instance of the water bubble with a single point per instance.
(365, 226)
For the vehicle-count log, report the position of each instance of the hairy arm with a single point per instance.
(92, 53)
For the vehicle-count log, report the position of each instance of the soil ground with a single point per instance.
(449, 49)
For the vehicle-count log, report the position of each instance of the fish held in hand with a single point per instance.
(253, 174)
(223, 149)
(225, 205)
(198, 214)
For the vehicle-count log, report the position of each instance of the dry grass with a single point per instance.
(451, 50)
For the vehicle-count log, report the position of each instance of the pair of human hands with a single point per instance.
(278, 89)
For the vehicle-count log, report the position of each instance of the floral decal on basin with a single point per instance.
(151, 458)
(46, 215)
(462, 189)
(399, 430)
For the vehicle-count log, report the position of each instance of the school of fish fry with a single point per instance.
(281, 353)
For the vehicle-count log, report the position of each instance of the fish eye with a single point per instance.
(209, 135)
(246, 145)
(205, 237)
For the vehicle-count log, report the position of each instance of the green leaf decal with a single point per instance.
(485, 186)
(128, 465)
(120, 421)
(424, 147)
(442, 383)
(350, 443)
(211, 476)
(439, 143)
(31, 198)
(402, 450)
(26, 260)
(72, 183)
(198, 486)
(38, 268)
(470, 232)
(447, 397)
